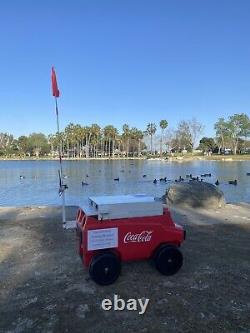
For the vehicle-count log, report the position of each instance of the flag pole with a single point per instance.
(62, 187)
(58, 132)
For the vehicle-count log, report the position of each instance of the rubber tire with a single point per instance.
(105, 268)
(168, 259)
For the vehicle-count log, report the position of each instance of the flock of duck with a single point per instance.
(189, 177)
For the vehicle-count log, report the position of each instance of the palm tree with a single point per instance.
(96, 133)
(114, 134)
(88, 134)
(163, 125)
(126, 137)
(107, 140)
(102, 139)
(77, 139)
(151, 129)
(81, 138)
(70, 137)
(136, 136)
(119, 141)
(139, 138)
(110, 133)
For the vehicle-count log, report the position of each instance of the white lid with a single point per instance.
(119, 199)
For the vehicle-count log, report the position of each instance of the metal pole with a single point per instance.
(63, 208)
(62, 186)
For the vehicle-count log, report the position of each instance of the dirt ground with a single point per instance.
(44, 287)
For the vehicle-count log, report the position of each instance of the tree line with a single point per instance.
(77, 141)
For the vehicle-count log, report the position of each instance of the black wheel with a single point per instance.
(105, 268)
(168, 260)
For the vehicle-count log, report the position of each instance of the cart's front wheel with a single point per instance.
(105, 268)
(168, 260)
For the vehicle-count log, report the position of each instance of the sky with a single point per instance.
(118, 62)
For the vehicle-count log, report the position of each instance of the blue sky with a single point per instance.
(123, 62)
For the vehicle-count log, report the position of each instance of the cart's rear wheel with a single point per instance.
(105, 268)
(168, 259)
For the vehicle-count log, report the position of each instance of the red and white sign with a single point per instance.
(144, 236)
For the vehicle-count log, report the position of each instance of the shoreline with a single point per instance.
(219, 158)
(42, 206)
(173, 207)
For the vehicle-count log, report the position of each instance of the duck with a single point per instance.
(155, 181)
(87, 175)
(22, 177)
(233, 182)
(144, 176)
(117, 179)
(163, 179)
(248, 173)
(217, 182)
(84, 183)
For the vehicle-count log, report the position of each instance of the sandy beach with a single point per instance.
(44, 287)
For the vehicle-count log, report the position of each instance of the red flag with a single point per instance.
(55, 90)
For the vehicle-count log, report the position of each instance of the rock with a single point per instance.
(195, 194)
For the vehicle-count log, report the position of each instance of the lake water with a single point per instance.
(40, 185)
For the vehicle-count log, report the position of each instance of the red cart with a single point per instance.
(112, 229)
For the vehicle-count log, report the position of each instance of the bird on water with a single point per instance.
(233, 182)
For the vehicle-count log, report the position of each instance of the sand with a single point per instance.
(44, 287)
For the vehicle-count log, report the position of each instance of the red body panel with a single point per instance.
(138, 237)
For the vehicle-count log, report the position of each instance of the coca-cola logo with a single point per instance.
(144, 236)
